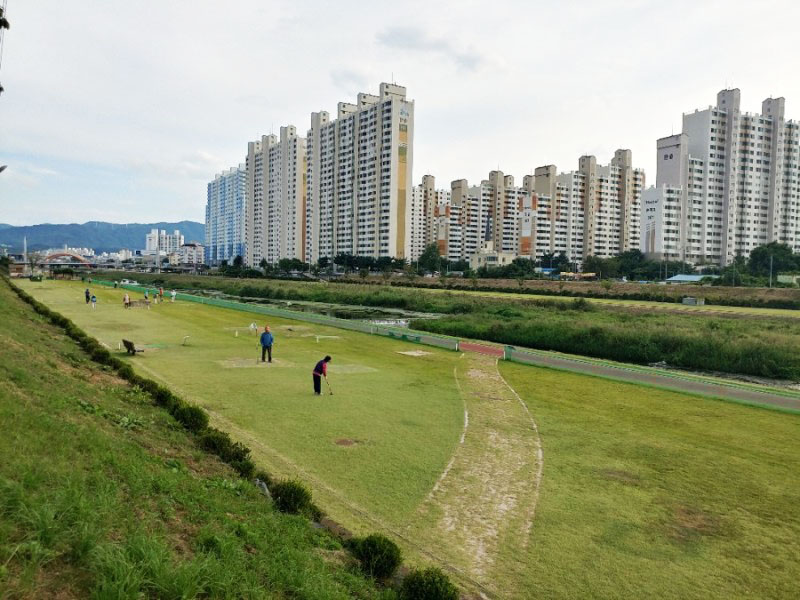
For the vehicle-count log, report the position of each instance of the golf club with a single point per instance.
(330, 391)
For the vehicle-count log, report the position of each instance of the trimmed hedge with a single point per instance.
(291, 496)
(379, 556)
(428, 584)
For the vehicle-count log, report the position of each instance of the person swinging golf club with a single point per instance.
(320, 371)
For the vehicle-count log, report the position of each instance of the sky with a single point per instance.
(123, 111)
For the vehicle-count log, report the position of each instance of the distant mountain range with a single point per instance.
(101, 236)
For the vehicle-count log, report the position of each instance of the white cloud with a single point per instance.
(134, 106)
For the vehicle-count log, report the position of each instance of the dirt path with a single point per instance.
(482, 507)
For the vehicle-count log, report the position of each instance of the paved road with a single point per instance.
(671, 381)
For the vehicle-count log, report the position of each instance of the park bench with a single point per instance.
(130, 348)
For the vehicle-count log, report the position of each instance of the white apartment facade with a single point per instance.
(731, 179)
(276, 197)
(594, 211)
(191, 253)
(226, 216)
(161, 242)
(359, 178)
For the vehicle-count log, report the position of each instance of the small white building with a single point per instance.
(191, 253)
(488, 257)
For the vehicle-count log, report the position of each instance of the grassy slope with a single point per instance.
(653, 494)
(404, 412)
(103, 495)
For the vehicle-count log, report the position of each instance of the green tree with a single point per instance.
(781, 255)
(430, 259)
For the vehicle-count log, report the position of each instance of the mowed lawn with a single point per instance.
(375, 447)
(644, 493)
(652, 494)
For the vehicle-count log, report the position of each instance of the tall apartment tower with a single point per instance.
(359, 185)
(276, 197)
(728, 183)
(226, 216)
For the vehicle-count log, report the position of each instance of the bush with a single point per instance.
(428, 584)
(126, 372)
(244, 467)
(220, 443)
(291, 497)
(192, 417)
(379, 556)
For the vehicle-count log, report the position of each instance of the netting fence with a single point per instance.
(404, 334)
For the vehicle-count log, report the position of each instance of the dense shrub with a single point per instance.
(192, 417)
(245, 467)
(291, 496)
(379, 556)
(220, 443)
(126, 372)
(428, 584)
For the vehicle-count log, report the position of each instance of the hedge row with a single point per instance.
(379, 556)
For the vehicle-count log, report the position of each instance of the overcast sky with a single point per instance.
(123, 111)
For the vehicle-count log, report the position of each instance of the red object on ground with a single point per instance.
(480, 349)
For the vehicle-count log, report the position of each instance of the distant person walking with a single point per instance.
(145, 295)
(88, 295)
(94, 301)
(320, 371)
(174, 295)
(161, 294)
(126, 300)
(266, 344)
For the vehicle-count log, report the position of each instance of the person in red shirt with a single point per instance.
(320, 371)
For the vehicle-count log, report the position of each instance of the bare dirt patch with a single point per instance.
(346, 442)
(689, 522)
(415, 353)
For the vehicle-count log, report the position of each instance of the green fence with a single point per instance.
(408, 335)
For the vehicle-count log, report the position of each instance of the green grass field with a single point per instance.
(104, 495)
(642, 493)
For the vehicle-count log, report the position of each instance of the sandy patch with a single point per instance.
(415, 353)
(346, 442)
(250, 363)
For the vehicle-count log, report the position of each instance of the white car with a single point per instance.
(128, 282)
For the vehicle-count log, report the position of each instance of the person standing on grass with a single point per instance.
(174, 294)
(266, 343)
(88, 296)
(320, 371)
(94, 301)
(126, 300)
(145, 295)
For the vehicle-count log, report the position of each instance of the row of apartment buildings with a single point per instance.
(592, 211)
(727, 183)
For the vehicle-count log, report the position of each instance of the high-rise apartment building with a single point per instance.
(729, 182)
(359, 186)
(226, 222)
(594, 211)
(276, 197)
(426, 204)
(159, 241)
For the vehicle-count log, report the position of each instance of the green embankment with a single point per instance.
(104, 495)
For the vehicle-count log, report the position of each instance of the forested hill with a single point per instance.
(94, 234)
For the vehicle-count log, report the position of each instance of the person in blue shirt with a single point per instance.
(266, 344)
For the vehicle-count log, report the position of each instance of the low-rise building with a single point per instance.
(488, 257)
